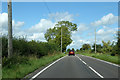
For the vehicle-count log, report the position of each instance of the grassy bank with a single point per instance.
(26, 67)
(106, 57)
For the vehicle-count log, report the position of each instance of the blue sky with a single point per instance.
(29, 19)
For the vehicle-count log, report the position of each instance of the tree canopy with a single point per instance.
(53, 35)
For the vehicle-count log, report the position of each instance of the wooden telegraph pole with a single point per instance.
(10, 46)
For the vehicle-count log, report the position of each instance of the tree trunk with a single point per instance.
(10, 47)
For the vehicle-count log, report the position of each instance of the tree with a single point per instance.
(68, 50)
(77, 50)
(116, 47)
(107, 47)
(73, 49)
(10, 47)
(54, 34)
(81, 49)
(98, 48)
(86, 47)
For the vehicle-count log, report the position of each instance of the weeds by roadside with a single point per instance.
(25, 65)
(106, 57)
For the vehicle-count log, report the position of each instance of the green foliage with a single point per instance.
(27, 56)
(77, 50)
(4, 46)
(118, 42)
(86, 47)
(54, 35)
(107, 47)
(81, 49)
(22, 65)
(98, 48)
(106, 57)
(14, 60)
(24, 48)
(68, 50)
(73, 49)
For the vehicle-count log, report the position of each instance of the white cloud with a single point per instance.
(106, 31)
(101, 31)
(78, 43)
(42, 26)
(3, 20)
(18, 24)
(82, 27)
(38, 29)
(58, 16)
(37, 36)
(106, 20)
(4, 24)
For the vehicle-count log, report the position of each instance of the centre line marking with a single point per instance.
(90, 68)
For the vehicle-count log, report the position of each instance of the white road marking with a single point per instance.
(84, 62)
(46, 68)
(90, 67)
(96, 72)
(102, 61)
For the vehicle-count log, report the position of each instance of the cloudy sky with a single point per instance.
(32, 19)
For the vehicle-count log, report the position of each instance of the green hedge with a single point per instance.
(23, 47)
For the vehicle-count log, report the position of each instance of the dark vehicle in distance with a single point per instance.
(71, 52)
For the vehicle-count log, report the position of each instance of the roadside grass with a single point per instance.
(21, 70)
(105, 57)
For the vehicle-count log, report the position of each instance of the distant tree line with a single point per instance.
(112, 48)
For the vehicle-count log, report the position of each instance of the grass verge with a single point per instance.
(105, 57)
(33, 63)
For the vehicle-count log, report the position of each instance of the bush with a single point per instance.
(14, 60)
(23, 47)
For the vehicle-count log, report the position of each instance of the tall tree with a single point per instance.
(54, 34)
(10, 47)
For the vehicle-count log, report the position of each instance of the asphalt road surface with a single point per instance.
(80, 67)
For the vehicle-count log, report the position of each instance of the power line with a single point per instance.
(47, 6)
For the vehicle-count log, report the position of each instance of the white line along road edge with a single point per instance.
(90, 68)
(102, 60)
(46, 68)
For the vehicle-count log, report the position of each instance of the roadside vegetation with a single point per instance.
(22, 65)
(106, 57)
(108, 51)
(28, 56)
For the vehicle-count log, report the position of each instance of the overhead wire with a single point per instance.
(47, 6)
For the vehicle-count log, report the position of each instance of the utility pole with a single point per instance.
(95, 39)
(61, 39)
(10, 46)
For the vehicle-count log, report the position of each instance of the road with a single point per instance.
(80, 67)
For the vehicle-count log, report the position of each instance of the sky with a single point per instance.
(32, 19)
